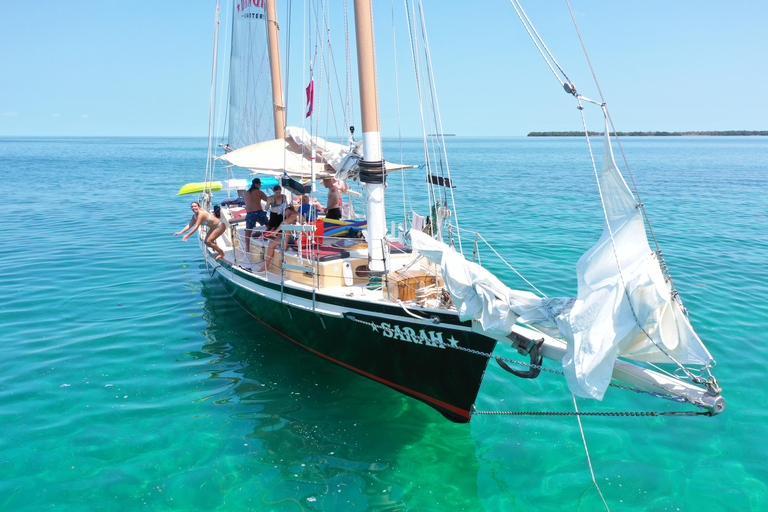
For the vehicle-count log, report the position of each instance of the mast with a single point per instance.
(372, 172)
(275, 71)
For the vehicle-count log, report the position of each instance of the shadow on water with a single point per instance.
(323, 434)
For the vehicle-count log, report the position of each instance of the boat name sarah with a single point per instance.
(434, 338)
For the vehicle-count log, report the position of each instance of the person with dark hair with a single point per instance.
(277, 203)
(254, 212)
(291, 216)
(215, 225)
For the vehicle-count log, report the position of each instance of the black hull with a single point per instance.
(398, 350)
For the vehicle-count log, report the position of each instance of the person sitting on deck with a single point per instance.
(216, 226)
(333, 208)
(307, 210)
(255, 213)
(290, 217)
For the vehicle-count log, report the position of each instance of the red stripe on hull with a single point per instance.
(456, 410)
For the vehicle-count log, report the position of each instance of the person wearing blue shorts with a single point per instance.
(255, 212)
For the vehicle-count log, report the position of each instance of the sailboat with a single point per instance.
(403, 305)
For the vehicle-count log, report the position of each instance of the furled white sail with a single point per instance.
(624, 305)
(294, 156)
(624, 308)
(251, 117)
(481, 296)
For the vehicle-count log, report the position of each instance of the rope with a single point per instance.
(417, 76)
(209, 160)
(399, 127)
(414, 315)
(510, 266)
(586, 450)
(518, 8)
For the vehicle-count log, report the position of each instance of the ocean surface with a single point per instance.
(130, 381)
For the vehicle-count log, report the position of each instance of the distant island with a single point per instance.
(649, 134)
(444, 135)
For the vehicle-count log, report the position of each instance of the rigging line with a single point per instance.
(289, 16)
(332, 59)
(618, 142)
(438, 141)
(417, 76)
(586, 450)
(514, 4)
(330, 63)
(399, 125)
(319, 55)
(349, 119)
(613, 243)
(209, 159)
(544, 295)
(304, 45)
(439, 122)
(551, 55)
(218, 128)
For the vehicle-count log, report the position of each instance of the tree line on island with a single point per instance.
(648, 134)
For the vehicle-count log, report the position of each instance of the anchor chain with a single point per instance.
(608, 413)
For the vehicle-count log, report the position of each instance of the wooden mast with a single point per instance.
(372, 172)
(275, 71)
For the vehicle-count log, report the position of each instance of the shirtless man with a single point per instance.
(333, 208)
(253, 197)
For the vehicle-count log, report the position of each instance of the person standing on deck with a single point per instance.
(277, 203)
(255, 213)
(333, 206)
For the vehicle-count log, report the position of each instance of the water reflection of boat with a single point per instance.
(313, 427)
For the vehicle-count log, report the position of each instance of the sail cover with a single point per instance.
(624, 305)
(481, 296)
(294, 156)
(251, 118)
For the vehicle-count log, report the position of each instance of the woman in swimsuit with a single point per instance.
(215, 226)
(277, 203)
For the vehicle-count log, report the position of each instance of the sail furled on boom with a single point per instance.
(482, 297)
(251, 116)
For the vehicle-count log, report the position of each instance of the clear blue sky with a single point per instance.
(141, 68)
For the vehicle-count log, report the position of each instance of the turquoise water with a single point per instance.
(130, 381)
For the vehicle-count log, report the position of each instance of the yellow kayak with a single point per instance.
(196, 188)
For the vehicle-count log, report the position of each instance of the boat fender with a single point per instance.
(533, 371)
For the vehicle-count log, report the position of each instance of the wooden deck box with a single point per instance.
(405, 285)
